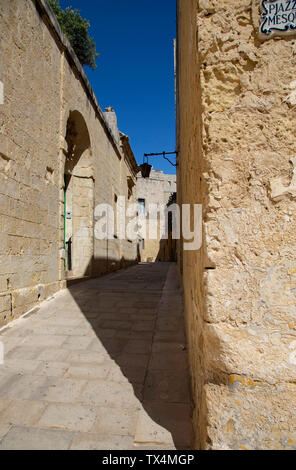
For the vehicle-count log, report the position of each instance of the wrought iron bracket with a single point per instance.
(162, 154)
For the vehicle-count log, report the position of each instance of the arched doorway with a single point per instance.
(78, 199)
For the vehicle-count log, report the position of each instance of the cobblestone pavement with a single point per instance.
(102, 365)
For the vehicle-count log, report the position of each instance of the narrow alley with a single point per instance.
(102, 365)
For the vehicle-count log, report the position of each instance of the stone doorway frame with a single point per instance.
(76, 161)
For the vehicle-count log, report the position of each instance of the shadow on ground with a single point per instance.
(137, 314)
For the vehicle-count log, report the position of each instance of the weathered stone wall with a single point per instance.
(45, 89)
(157, 190)
(236, 101)
(189, 191)
(128, 247)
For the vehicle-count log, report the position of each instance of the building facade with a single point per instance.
(155, 190)
(236, 140)
(60, 157)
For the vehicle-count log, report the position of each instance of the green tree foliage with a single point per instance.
(76, 29)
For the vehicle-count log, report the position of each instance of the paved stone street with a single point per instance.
(102, 365)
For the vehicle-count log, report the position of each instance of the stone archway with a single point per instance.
(78, 195)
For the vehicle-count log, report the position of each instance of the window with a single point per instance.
(141, 206)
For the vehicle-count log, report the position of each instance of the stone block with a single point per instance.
(88, 372)
(26, 438)
(22, 413)
(52, 369)
(233, 412)
(62, 390)
(172, 426)
(250, 352)
(110, 394)
(71, 417)
(111, 421)
(149, 432)
(3, 431)
(167, 386)
(87, 441)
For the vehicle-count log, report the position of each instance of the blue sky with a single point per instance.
(135, 73)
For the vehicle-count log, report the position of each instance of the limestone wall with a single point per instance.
(237, 142)
(45, 93)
